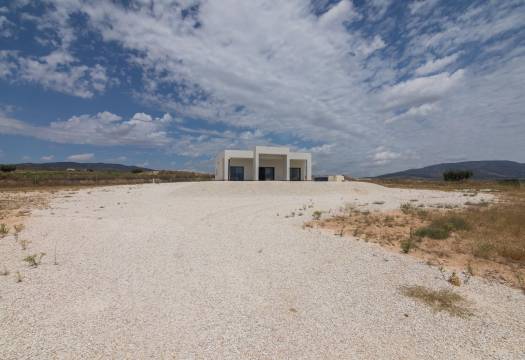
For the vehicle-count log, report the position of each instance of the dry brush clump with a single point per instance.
(439, 300)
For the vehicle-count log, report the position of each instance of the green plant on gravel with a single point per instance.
(35, 259)
(317, 215)
(4, 230)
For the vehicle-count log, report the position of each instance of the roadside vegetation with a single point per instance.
(439, 300)
(481, 239)
(43, 178)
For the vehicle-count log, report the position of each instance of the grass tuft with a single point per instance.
(35, 259)
(439, 300)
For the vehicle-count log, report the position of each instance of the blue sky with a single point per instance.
(367, 86)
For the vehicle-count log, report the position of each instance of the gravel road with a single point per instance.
(222, 270)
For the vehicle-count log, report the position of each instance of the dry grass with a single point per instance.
(486, 240)
(439, 300)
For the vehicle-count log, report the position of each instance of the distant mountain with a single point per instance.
(482, 170)
(78, 166)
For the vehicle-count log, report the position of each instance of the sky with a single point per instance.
(368, 87)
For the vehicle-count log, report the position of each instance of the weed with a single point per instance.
(454, 279)
(317, 215)
(18, 277)
(4, 230)
(24, 243)
(408, 244)
(439, 300)
(35, 259)
(406, 208)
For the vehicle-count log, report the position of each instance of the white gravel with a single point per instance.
(217, 270)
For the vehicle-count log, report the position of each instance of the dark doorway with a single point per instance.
(237, 173)
(266, 173)
(295, 174)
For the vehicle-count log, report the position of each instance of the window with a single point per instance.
(295, 174)
(266, 173)
(237, 173)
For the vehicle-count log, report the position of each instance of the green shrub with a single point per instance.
(137, 171)
(317, 215)
(7, 168)
(437, 233)
(457, 175)
(440, 228)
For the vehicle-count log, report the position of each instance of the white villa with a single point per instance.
(263, 163)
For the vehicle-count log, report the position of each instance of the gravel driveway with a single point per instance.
(222, 270)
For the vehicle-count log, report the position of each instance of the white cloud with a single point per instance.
(104, 128)
(436, 65)
(418, 91)
(383, 156)
(47, 157)
(422, 7)
(61, 72)
(81, 157)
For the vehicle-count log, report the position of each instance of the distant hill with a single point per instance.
(482, 170)
(79, 166)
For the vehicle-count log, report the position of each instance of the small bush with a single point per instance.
(4, 230)
(317, 215)
(440, 228)
(35, 259)
(137, 171)
(457, 175)
(437, 233)
(7, 168)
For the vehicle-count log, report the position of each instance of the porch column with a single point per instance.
(287, 167)
(256, 166)
(226, 174)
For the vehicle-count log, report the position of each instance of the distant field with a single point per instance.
(43, 178)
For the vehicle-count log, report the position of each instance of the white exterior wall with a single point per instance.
(279, 158)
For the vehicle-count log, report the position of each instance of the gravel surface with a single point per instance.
(222, 270)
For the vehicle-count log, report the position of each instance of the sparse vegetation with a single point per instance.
(439, 300)
(4, 230)
(489, 238)
(43, 178)
(317, 215)
(18, 277)
(35, 259)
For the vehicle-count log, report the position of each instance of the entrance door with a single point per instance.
(295, 174)
(237, 173)
(266, 173)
